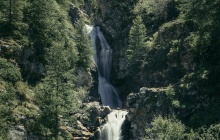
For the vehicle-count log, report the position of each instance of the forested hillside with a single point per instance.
(166, 67)
(41, 53)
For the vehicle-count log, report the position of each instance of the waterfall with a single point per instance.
(103, 60)
(109, 96)
(112, 129)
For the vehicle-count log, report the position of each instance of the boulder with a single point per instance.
(105, 111)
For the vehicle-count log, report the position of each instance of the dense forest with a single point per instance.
(165, 57)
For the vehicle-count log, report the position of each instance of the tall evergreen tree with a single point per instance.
(83, 45)
(137, 46)
(56, 96)
(49, 24)
(12, 19)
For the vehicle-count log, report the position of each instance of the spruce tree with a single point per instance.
(83, 45)
(12, 19)
(56, 94)
(49, 24)
(137, 46)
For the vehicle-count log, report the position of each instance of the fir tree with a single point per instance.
(137, 47)
(56, 96)
(83, 45)
(12, 19)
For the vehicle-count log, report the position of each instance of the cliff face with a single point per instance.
(173, 69)
(144, 106)
(178, 76)
(115, 20)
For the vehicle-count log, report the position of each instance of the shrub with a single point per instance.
(9, 71)
(165, 129)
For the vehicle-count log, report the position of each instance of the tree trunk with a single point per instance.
(57, 119)
(10, 13)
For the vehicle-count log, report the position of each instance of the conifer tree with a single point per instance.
(137, 47)
(83, 45)
(12, 19)
(56, 95)
(49, 24)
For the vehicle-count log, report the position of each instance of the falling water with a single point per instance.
(109, 96)
(112, 129)
(103, 60)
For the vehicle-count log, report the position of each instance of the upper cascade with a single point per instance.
(103, 60)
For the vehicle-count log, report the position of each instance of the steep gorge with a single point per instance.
(174, 83)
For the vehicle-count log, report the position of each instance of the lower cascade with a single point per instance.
(112, 129)
(109, 95)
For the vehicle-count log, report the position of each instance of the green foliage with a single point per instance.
(170, 91)
(165, 129)
(56, 95)
(44, 27)
(23, 91)
(10, 49)
(171, 94)
(12, 19)
(7, 104)
(49, 25)
(9, 71)
(211, 133)
(156, 12)
(137, 44)
(83, 45)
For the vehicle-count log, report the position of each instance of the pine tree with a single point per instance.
(56, 96)
(83, 45)
(12, 19)
(137, 47)
(49, 25)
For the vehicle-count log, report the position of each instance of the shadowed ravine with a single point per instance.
(103, 60)
(109, 96)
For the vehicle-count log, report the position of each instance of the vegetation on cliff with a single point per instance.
(161, 44)
(180, 54)
(40, 51)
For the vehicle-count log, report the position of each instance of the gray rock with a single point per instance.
(106, 110)
(81, 127)
(96, 110)
(91, 104)
(18, 133)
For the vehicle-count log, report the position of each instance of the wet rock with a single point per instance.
(97, 134)
(96, 111)
(106, 110)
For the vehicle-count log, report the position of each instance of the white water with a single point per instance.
(103, 60)
(109, 96)
(112, 129)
